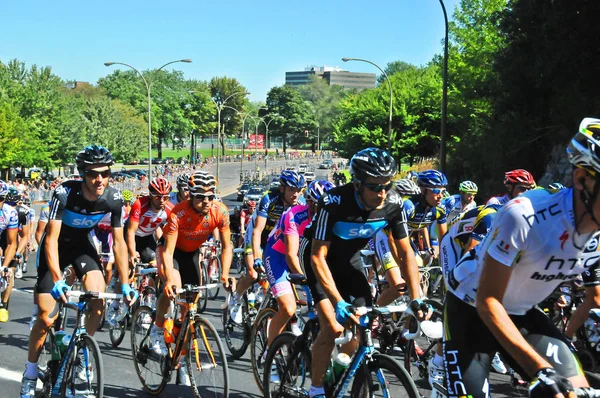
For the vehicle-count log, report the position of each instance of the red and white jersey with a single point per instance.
(148, 219)
(105, 223)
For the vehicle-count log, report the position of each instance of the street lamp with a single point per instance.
(267, 136)
(391, 95)
(444, 95)
(148, 86)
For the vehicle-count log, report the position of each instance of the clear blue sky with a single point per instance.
(253, 41)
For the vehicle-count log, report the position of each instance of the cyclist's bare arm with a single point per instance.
(408, 266)
(592, 300)
(226, 253)
(492, 286)
(120, 251)
(25, 234)
(441, 230)
(292, 244)
(167, 262)
(41, 227)
(51, 242)
(259, 226)
(319, 251)
(11, 247)
(131, 230)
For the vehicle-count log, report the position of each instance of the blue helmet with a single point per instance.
(432, 179)
(556, 186)
(317, 188)
(292, 179)
(3, 189)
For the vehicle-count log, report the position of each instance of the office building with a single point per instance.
(333, 76)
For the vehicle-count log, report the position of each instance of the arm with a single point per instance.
(408, 267)
(41, 227)
(120, 251)
(259, 226)
(319, 252)
(226, 253)
(25, 235)
(131, 247)
(441, 229)
(51, 242)
(11, 247)
(167, 262)
(592, 300)
(492, 286)
(292, 244)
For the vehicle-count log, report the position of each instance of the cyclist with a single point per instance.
(556, 186)
(148, 216)
(76, 207)
(14, 198)
(270, 208)
(516, 182)
(346, 219)
(281, 255)
(189, 225)
(462, 202)
(246, 216)
(407, 187)
(9, 224)
(182, 194)
(30, 247)
(536, 242)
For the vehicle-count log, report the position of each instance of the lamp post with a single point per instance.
(267, 136)
(148, 86)
(444, 94)
(391, 95)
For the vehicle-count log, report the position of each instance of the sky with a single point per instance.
(254, 41)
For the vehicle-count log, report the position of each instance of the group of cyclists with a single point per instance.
(499, 260)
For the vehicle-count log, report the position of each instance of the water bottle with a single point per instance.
(329, 375)
(168, 331)
(58, 341)
(341, 363)
(66, 340)
(251, 300)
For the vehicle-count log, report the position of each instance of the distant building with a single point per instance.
(333, 76)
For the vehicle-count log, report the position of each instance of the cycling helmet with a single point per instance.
(407, 186)
(432, 179)
(556, 186)
(127, 196)
(159, 186)
(201, 182)
(27, 201)
(292, 179)
(317, 188)
(584, 149)
(519, 177)
(93, 155)
(13, 196)
(3, 189)
(251, 203)
(413, 175)
(182, 180)
(468, 187)
(373, 162)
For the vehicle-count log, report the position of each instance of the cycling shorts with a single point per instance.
(146, 246)
(469, 347)
(277, 272)
(248, 239)
(82, 255)
(186, 263)
(350, 282)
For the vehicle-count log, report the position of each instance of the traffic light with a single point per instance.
(306, 133)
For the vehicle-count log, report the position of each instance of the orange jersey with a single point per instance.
(192, 228)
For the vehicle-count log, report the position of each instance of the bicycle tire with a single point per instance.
(203, 300)
(258, 342)
(215, 278)
(117, 332)
(148, 367)
(209, 346)
(292, 379)
(96, 376)
(231, 330)
(372, 373)
(46, 365)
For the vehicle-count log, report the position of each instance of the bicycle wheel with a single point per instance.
(84, 370)
(206, 361)
(117, 332)
(203, 301)
(418, 352)
(383, 377)
(258, 344)
(287, 368)
(214, 276)
(148, 366)
(237, 337)
(47, 367)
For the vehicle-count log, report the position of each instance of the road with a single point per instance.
(120, 377)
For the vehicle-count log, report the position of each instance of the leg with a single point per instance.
(287, 308)
(93, 281)
(47, 313)
(247, 280)
(323, 346)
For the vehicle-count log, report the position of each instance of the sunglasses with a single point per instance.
(437, 191)
(183, 188)
(378, 187)
(160, 197)
(523, 188)
(200, 196)
(94, 174)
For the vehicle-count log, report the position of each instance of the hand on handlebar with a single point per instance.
(169, 290)
(59, 290)
(129, 293)
(422, 311)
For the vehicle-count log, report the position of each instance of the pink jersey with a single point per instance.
(292, 222)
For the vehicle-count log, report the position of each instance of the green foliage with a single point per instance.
(297, 114)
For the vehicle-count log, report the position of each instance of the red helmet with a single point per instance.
(159, 186)
(251, 203)
(519, 177)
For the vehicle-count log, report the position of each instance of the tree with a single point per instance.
(224, 90)
(295, 114)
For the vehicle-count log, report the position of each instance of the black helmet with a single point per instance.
(372, 162)
(93, 155)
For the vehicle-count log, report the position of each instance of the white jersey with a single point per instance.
(535, 235)
(454, 208)
(498, 200)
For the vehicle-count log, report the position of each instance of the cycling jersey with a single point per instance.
(453, 205)
(474, 223)
(44, 212)
(498, 200)
(24, 215)
(173, 198)
(271, 207)
(31, 214)
(248, 234)
(246, 217)
(535, 235)
(420, 215)
(9, 219)
(193, 228)
(380, 244)
(148, 219)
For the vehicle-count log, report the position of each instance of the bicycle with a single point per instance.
(369, 371)
(195, 339)
(76, 369)
(210, 267)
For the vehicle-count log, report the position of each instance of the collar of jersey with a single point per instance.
(358, 201)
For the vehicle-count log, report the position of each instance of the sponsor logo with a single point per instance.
(337, 199)
(83, 222)
(205, 224)
(592, 245)
(503, 247)
(550, 277)
(563, 239)
(542, 215)
(552, 352)
(455, 384)
(394, 199)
